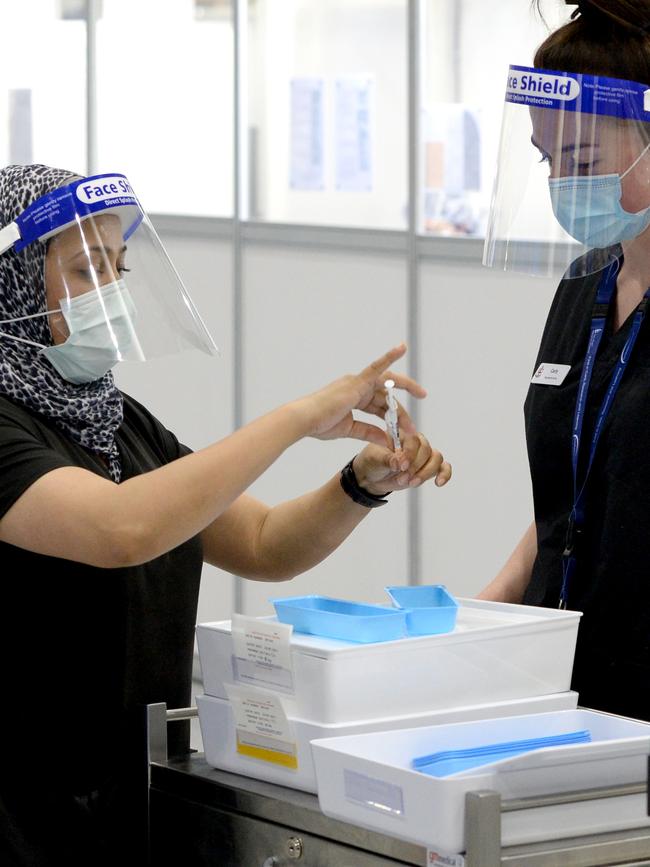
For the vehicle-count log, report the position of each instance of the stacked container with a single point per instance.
(271, 691)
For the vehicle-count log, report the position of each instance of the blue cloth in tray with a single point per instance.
(452, 761)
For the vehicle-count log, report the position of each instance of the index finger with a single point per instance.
(383, 362)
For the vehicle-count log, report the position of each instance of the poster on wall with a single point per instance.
(307, 169)
(353, 110)
(454, 203)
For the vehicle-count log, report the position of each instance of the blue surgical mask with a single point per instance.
(589, 208)
(101, 333)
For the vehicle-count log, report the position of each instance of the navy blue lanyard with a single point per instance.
(606, 291)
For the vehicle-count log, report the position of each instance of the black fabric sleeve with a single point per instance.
(183, 449)
(23, 460)
(167, 441)
(172, 448)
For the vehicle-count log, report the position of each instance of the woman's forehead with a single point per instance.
(102, 229)
(553, 129)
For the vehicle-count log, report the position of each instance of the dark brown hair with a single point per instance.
(604, 37)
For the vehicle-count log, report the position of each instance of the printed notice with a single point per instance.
(307, 122)
(262, 652)
(263, 729)
(353, 133)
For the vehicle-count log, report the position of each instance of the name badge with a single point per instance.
(550, 374)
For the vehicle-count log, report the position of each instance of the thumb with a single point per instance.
(378, 461)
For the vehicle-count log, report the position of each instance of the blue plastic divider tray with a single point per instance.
(430, 608)
(449, 762)
(338, 618)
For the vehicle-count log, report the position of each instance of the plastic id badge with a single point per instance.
(550, 374)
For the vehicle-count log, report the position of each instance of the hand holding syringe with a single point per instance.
(404, 458)
(415, 460)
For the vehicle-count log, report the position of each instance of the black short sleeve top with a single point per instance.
(612, 582)
(82, 649)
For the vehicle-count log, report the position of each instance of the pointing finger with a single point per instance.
(381, 364)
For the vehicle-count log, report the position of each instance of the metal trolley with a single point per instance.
(201, 816)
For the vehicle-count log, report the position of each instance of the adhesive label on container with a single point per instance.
(262, 653)
(436, 858)
(375, 794)
(263, 729)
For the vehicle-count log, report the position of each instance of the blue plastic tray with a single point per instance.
(430, 608)
(449, 762)
(338, 618)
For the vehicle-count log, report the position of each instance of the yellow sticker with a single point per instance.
(264, 754)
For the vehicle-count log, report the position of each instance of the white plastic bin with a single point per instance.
(367, 779)
(220, 740)
(497, 652)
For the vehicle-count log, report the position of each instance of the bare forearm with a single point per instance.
(166, 507)
(75, 514)
(300, 533)
(511, 582)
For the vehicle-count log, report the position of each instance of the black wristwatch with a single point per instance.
(352, 488)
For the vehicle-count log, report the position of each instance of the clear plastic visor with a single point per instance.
(110, 271)
(570, 186)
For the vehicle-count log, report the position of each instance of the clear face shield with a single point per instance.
(573, 176)
(113, 294)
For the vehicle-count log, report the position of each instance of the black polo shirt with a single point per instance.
(612, 582)
(82, 650)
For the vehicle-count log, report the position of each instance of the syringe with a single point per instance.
(391, 414)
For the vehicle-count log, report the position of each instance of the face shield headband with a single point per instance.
(93, 227)
(72, 203)
(573, 175)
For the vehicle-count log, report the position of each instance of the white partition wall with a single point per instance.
(479, 335)
(310, 316)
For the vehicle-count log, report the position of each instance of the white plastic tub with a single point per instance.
(220, 740)
(497, 652)
(367, 779)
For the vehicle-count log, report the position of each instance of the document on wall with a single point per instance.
(353, 113)
(307, 171)
(264, 731)
(262, 652)
(452, 139)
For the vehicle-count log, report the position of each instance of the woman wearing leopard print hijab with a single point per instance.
(89, 415)
(105, 522)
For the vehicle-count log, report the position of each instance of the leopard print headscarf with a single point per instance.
(89, 413)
